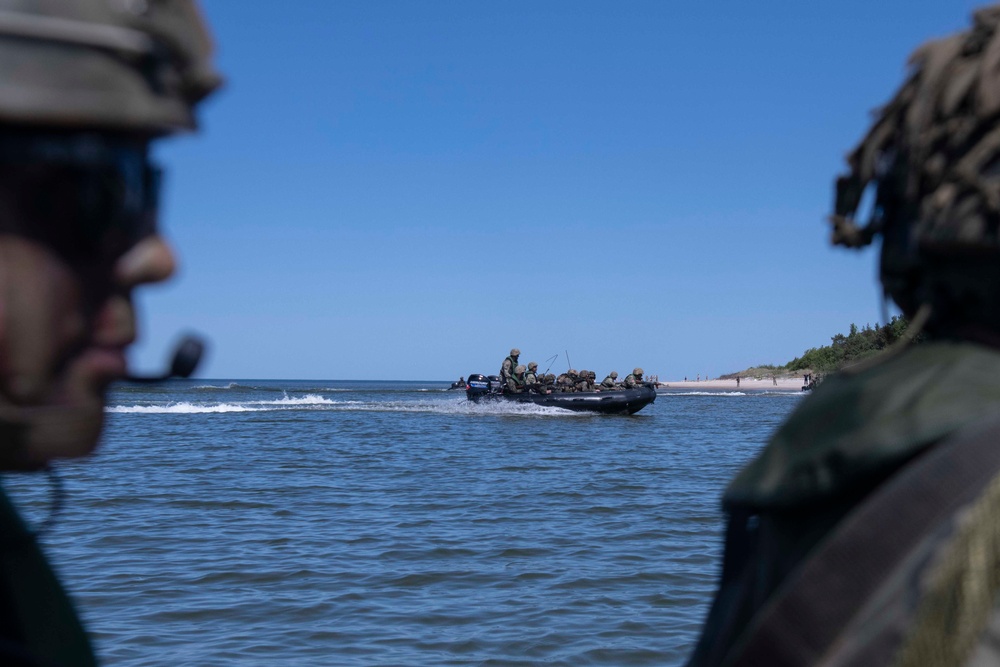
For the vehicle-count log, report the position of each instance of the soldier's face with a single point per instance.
(64, 330)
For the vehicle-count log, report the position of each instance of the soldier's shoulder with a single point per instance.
(859, 424)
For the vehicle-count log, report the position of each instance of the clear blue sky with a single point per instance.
(406, 190)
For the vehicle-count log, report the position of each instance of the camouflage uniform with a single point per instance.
(530, 377)
(567, 381)
(508, 365)
(515, 383)
(633, 379)
(610, 381)
(865, 533)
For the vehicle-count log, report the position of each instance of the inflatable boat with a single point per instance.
(481, 388)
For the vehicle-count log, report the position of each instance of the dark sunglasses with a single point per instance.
(88, 197)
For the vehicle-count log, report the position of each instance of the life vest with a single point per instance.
(504, 374)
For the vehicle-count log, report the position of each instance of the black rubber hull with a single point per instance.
(620, 402)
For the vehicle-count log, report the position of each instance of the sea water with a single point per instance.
(394, 523)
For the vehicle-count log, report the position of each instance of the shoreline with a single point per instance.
(746, 384)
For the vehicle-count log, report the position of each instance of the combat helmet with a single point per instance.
(520, 369)
(514, 352)
(129, 65)
(933, 157)
(532, 365)
(614, 375)
(637, 371)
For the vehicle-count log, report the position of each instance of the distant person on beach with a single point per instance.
(508, 365)
(610, 382)
(88, 85)
(633, 379)
(866, 532)
(737, 381)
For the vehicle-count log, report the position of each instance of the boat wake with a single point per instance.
(314, 402)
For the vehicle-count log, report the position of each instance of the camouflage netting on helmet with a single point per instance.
(934, 155)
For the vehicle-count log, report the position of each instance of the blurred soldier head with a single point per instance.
(932, 158)
(614, 375)
(532, 366)
(637, 372)
(85, 86)
(519, 370)
(571, 371)
(515, 352)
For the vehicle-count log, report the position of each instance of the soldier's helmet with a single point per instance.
(520, 369)
(551, 377)
(614, 375)
(592, 375)
(933, 157)
(532, 366)
(636, 371)
(132, 66)
(571, 371)
(514, 352)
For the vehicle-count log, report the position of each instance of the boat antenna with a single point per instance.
(570, 363)
(551, 360)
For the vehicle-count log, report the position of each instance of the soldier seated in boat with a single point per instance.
(610, 382)
(586, 383)
(515, 383)
(531, 377)
(634, 379)
(567, 381)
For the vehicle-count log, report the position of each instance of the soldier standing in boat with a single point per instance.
(873, 539)
(88, 86)
(508, 365)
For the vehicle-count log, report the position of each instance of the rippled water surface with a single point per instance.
(389, 523)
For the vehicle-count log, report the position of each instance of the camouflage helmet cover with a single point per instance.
(514, 352)
(571, 371)
(636, 371)
(613, 374)
(129, 65)
(532, 365)
(519, 369)
(933, 155)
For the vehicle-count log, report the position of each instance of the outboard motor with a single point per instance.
(477, 386)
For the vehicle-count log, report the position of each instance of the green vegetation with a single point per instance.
(842, 351)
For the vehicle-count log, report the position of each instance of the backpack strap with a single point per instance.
(851, 602)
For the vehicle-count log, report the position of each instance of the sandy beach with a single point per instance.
(746, 384)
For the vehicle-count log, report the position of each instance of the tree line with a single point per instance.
(859, 344)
